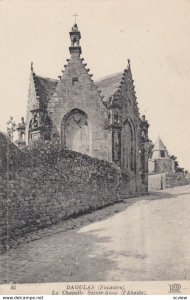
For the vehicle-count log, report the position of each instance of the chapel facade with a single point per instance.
(100, 119)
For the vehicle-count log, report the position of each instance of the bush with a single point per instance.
(41, 152)
(10, 155)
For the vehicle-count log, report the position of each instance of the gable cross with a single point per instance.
(75, 15)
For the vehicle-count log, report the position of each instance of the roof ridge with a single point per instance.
(56, 80)
(109, 76)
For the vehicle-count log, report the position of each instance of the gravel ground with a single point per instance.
(145, 238)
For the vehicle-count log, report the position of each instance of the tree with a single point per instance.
(177, 168)
(11, 128)
(176, 164)
(180, 170)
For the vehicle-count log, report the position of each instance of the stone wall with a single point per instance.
(157, 181)
(48, 184)
(164, 180)
(164, 165)
(177, 179)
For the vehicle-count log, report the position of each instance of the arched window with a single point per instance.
(75, 131)
(29, 131)
(128, 149)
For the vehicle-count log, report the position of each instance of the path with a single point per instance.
(148, 240)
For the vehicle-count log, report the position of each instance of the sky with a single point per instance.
(154, 34)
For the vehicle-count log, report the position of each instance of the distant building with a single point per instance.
(160, 161)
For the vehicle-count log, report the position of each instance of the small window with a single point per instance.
(74, 80)
(162, 153)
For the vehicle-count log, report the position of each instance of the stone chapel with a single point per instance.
(100, 119)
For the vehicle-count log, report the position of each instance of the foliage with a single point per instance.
(11, 128)
(177, 168)
(180, 170)
(10, 155)
(38, 153)
(41, 152)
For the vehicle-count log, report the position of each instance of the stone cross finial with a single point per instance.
(75, 15)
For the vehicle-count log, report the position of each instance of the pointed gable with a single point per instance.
(117, 85)
(45, 88)
(159, 145)
(33, 98)
(159, 150)
(40, 91)
(77, 102)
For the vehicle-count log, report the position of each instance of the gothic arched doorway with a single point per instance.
(75, 131)
(128, 152)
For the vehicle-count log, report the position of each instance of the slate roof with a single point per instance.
(110, 84)
(159, 145)
(45, 88)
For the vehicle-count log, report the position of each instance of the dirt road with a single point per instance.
(147, 240)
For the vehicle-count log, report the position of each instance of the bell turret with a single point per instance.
(75, 36)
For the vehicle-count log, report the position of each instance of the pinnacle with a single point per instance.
(31, 67)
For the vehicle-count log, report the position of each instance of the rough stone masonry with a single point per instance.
(46, 183)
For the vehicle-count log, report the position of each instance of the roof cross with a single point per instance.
(75, 15)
